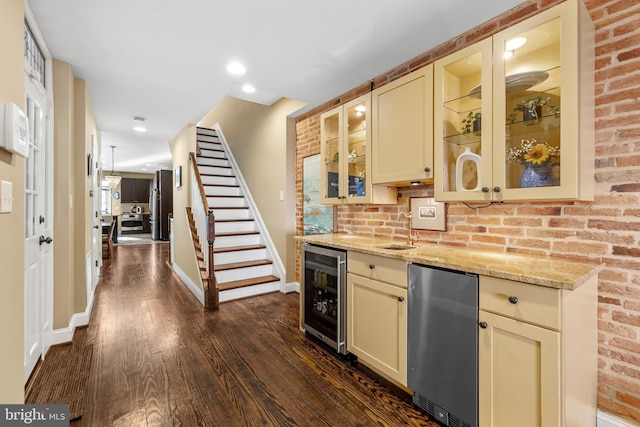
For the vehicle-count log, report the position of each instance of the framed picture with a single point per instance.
(428, 214)
(178, 176)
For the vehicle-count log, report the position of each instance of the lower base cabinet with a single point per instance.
(377, 314)
(537, 355)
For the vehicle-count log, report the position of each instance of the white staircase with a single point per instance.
(243, 265)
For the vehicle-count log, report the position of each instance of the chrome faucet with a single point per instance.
(411, 239)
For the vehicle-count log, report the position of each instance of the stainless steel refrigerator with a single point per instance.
(161, 204)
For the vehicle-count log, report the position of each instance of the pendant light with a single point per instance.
(113, 179)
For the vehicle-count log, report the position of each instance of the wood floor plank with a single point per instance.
(160, 359)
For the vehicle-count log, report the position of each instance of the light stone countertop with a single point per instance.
(552, 272)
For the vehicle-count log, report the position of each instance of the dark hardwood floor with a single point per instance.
(161, 360)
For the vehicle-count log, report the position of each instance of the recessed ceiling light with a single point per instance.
(515, 43)
(144, 169)
(139, 127)
(248, 88)
(236, 68)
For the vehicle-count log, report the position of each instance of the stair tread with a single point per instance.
(242, 264)
(237, 248)
(236, 233)
(235, 220)
(221, 185)
(246, 282)
(230, 196)
(229, 207)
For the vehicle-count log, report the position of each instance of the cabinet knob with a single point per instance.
(371, 266)
(485, 189)
(513, 300)
(427, 169)
(496, 189)
(483, 325)
(400, 299)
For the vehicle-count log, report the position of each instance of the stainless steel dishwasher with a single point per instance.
(443, 344)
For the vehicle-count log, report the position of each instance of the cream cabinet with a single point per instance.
(345, 150)
(377, 313)
(513, 114)
(402, 129)
(537, 354)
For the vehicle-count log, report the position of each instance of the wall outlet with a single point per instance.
(6, 197)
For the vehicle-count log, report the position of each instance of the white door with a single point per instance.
(38, 287)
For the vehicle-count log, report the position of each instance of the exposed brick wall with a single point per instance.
(607, 229)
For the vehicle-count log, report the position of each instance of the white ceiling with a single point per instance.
(165, 60)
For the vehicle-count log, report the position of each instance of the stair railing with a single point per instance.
(204, 220)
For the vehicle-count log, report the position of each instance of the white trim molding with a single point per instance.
(607, 420)
(193, 288)
(63, 335)
(292, 287)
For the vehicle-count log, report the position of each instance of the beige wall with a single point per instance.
(12, 169)
(63, 183)
(184, 253)
(257, 136)
(84, 128)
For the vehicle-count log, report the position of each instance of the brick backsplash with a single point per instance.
(606, 230)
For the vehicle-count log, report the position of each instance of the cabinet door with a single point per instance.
(356, 136)
(377, 325)
(519, 373)
(402, 134)
(128, 190)
(463, 124)
(142, 190)
(543, 139)
(330, 153)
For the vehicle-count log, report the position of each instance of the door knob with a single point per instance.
(513, 300)
(371, 266)
(483, 325)
(47, 240)
(96, 227)
(427, 169)
(400, 299)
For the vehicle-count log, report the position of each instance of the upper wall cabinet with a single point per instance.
(345, 151)
(514, 114)
(402, 129)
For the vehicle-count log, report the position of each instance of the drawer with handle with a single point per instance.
(376, 267)
(529, 303)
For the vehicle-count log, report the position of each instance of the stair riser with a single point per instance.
(231, 241)
(210, 145)
(218, 180)
(212, 153)
(206, 161)
(243, 273)
(249, 291)
(239, 256)
(222, 191)
(231, 213)
(225, 227)
(201, 137)
(212, 170)
(226, 201)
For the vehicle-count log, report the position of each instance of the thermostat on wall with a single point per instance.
(14, 129)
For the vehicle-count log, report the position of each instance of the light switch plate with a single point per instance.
(6, 197)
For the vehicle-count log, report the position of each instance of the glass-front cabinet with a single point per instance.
(344, 144)
(531, 88)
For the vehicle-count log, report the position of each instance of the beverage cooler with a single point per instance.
(324, 295)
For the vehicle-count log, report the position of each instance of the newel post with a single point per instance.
(211, 296)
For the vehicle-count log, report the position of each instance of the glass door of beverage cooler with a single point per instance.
(323, 295)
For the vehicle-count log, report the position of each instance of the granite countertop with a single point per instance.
(550, 272)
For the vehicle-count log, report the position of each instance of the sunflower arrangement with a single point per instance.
(537, 153)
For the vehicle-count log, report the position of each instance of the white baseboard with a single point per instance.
(292, 287)
(195, 289)
(608, 420)
(63, 335)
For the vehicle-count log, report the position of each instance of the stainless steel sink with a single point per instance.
(396, 246)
